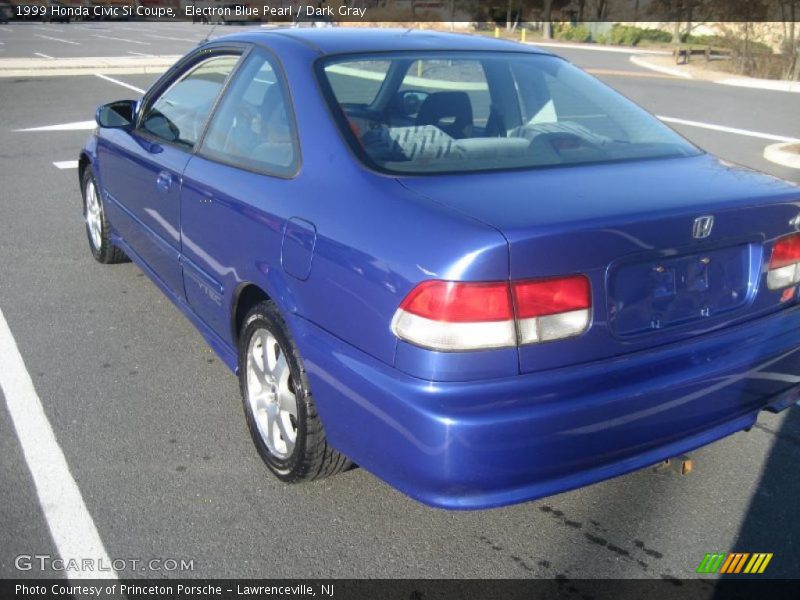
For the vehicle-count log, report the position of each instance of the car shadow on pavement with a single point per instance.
(771, 523)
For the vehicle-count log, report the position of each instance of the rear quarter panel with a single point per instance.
(374, 239)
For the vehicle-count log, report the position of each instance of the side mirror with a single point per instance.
(411, 100)
(116, 115)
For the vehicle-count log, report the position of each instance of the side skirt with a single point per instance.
(227, 354)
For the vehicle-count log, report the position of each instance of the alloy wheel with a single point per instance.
(271, 394)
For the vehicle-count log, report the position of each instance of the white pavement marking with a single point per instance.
(118, 82)
(48, 29)
(117, 39)
(66, 164)
(42, 55)
(75, 126)
(47, 37)
(711, 126)
(71, 526)
(138, 53)
(668, 70)
(174, 39)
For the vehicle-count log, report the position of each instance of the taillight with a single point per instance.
(449, 315)
(784, 266)
(551, 309)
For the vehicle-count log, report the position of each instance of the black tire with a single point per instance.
(312, 456)
(104, 251)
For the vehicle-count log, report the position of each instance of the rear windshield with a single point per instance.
(464, 111)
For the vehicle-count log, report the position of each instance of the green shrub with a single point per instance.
(703, 40)
(656, 35)
(574, 33)
(625, 35)
(734, 44)
(739, 47)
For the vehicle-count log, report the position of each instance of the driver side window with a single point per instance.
(179, 114)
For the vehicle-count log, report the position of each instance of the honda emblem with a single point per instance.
(702, 227)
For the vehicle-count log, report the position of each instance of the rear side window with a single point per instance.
(179, 114)
(253, 127)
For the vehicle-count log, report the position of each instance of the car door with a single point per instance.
(234, 205)
(141, 169)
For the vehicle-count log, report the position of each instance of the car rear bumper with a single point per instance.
(494, 442)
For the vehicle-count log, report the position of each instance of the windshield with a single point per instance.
(438, 112)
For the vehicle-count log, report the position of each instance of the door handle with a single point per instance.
(164, 181)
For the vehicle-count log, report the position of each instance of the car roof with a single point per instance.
(341, 40)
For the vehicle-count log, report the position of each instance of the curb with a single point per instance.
(763, 84)
(598, 48)
(640, 61)
(112, 65)
(715, 77)
(780, 154)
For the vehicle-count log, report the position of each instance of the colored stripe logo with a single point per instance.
(735, 562)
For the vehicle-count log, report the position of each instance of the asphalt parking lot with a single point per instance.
(151, 425)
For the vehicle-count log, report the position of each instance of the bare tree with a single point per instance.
(600, 9)
(512, 17)
(790, 11)
(547, 17)
(685, 15)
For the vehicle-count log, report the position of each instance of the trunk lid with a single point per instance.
(636, 230)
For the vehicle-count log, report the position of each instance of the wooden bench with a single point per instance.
(683, 54)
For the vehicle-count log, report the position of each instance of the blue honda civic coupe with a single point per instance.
(461, 263)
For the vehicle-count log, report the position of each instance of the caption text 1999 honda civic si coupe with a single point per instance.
(461, 263)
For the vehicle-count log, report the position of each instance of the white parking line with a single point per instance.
(71, 526)
(138, 53)
(74, 126)
(117, 39)
(47, 37)
(711, 126)
(174, 39)
(66, 164)
(118, 82)
(42, 55)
